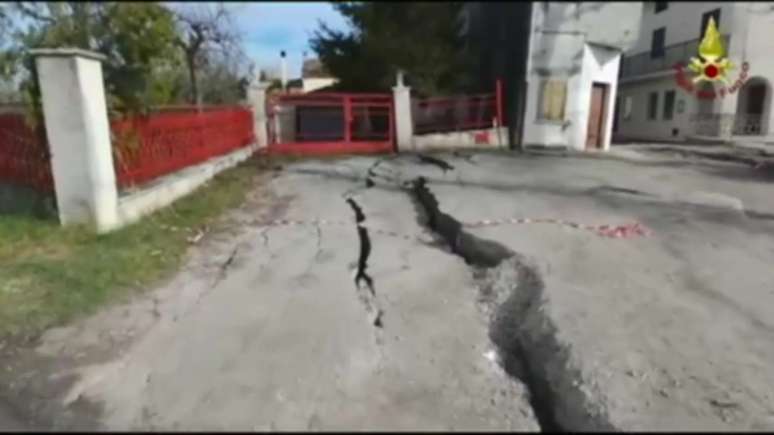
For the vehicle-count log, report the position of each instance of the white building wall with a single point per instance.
(548, 133)
(581, 43)
(558, 56)
(614, 24)
(682, 21)
(754, 29)
(600, 65)
(749, 25)
(638, 126)
(313, 84)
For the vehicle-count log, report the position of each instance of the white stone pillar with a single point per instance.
(404, 127)
(78, 134)
(257, 98)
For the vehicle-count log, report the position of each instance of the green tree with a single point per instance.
(6, 60)
(421, 38)
(136, 38)
(221, 81)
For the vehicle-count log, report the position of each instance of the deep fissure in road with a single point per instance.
(368, 299)
(532, 356)
(430, 160)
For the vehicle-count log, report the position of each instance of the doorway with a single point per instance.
(752, 109)
(597, 111)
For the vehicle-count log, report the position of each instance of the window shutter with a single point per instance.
(553, 99)
(557, 102)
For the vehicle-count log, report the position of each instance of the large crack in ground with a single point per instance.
(525, 337)
(368, 298)
(371, 174)
(430, 160)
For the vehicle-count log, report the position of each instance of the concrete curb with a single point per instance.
(628, 156)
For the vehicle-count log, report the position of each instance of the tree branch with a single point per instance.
(31, 13)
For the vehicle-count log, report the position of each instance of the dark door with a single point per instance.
(755, 96)
(596, 125)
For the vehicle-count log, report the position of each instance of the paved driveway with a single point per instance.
(500, 327)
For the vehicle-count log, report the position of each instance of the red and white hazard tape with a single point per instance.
(615, 231)
(315, 222)
(287, 222)
(374, 230)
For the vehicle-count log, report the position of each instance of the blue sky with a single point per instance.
(270, 27)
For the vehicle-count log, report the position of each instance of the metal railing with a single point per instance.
(147, 147)
(329, 123)
(442, 115)
(24, 156)
(458, 113)
(642, 63)
(750, 125)
(726, 125)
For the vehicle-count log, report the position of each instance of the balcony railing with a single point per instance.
(725, 125)
(642, 63)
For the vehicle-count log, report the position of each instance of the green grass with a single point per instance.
(50, 274)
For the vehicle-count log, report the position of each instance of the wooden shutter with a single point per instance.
(553, 99)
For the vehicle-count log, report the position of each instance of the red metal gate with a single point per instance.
(331, 123)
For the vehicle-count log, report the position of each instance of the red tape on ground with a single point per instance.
(629, 230)
(624, 231)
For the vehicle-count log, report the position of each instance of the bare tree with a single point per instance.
(204, 32)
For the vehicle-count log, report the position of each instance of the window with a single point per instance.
(627, 108)
(669, 105)
(661, 6)
(652, 105)
(553, 94)
(657, 43)
(715, 13)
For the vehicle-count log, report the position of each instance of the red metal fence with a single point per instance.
(458, 113)
(24, 155)
(187, 108)
(330, 123)
(146, 147)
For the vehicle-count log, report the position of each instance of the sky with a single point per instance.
(269, 27)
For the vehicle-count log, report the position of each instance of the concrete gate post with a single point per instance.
(78, 135)
(257, 98)
(404, 127)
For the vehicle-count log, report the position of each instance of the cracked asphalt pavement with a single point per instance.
(344, 326)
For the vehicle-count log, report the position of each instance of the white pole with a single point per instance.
(257, 97)
(283, 70)
(404, 127)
